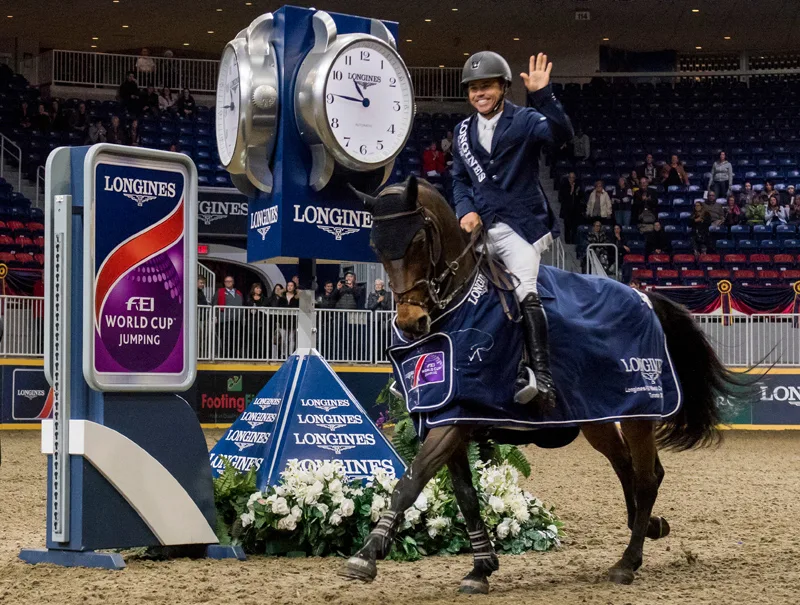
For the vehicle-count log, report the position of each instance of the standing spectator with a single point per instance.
(379, 300)
(634, 181)
(757, 210)
(643, 199)
(432, 160)
(256, 332)
(290, 298)
(296, 280)
(714, 210)
(59, 120)
(277, 293)
(701, 221)
(79, 120)
(228, 318)
(598, 206)
(674, 173)
(115, 133)
(646, 220)
(598, 236)
(150, 101)
(186, 104)
(648, 170)
(747, 194)
(348, 292)
(570, 198)
(146, 67)
(618, 239)
(657, 241)
(721, 178)
(166, 101)
(41, 121)
(132, 135)
(129, 94)
(775, 214)
(202, 301)
(732, 212)
(327, 299)
(97, 132)
(256, 298)
(24, 117)
(581, 145)
(622, 202)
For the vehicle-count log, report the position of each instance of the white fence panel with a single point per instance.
(775, 339)
(23, 326)
(729, 335)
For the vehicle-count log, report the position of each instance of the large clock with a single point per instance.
(247, 106)
(354, 102)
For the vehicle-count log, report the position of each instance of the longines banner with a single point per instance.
(221, 213)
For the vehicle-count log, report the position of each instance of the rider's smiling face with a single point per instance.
(484, 95)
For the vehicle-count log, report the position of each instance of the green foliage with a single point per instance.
(231, 491)
(396, 407)
(514, 456)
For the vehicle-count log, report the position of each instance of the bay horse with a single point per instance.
(432, 260)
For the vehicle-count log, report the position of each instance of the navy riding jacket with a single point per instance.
(503, 186)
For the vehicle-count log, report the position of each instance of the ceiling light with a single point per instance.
(211, 31)
(516, 39)
(219, 10)
(409, 40)
(10, 16)
(115, 1)
(248, 4)
(441, 66)
(94, 45)
(606, 39)
(727, 37)
(95, 38)
(695, 10)
(186, 44)
(455, 10)
(466, 54)
(427, 20)
(698, 48)
(125, 26)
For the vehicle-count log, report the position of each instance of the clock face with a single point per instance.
(369, 102)
(228, 107)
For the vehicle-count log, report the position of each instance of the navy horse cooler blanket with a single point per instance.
(608, 353)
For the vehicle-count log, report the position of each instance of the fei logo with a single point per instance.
(648, 367)
(428, 369)
(138, 303)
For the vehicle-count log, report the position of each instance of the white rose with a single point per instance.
(378, 504)
(247, 519)
(335, 486)
(503, 529)
(421, 503)
(347, 507)
(280, 506)
(253, 497)
(323, 508)
(288, 523)
(335, 519)
(327, 470)
(497, 504)
(314, 491)
(413, 516)
(432, 532)
(514, 528)
(439, 523)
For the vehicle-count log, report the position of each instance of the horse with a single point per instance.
(430, 260)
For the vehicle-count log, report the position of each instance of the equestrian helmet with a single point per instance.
(484, 65)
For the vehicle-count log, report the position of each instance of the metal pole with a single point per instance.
(306, 320)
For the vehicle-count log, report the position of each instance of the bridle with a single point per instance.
(435, 280)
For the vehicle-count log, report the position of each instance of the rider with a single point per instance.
(496, 185)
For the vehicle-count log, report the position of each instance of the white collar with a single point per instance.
(491, 123)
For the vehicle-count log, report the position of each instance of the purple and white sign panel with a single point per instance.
(140, 258)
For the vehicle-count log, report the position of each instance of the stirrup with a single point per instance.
(529, 392)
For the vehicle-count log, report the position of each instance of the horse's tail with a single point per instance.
(703, 377)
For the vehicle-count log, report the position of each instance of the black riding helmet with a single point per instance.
(486, 65)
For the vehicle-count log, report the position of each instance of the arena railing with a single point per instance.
(360, 337)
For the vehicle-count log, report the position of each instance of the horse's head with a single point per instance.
(417, 238)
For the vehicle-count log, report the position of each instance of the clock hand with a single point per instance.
(358, 88)
(364, 101)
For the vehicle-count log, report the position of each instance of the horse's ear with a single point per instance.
(412, 191)
(368, 200)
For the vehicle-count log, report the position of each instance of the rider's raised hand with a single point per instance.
(538, 75)
(470, 222)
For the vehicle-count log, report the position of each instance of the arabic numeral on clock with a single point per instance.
(337, 75)
(335, 123)
(390, 129)
(365, 55)
(363, 149)
(396, 105)
(392, 82)
(347, 141)
(329, 98)
(379, 145)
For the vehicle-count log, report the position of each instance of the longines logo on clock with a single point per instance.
(336, 221)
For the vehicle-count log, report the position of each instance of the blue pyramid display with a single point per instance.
(318, 419)
(245, 444)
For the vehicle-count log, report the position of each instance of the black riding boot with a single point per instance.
(540, 385)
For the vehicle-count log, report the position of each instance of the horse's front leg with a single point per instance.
(485, 560)
(435, 452)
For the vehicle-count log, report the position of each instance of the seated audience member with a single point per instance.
(775, 214)
(132, 135)
(581, 145)
(97, 132)
(622, 202)
(115, 133)
(648, 170)
(732, 212)
(129, 94)
(657, 241)
(769, 189)
(787, 196)
(598, 205)
(634, 181)
(432, 160)
(598, 236)
(79, 120)
(42, 121)
(327, 300)
(646, 221)
(256, 298)
(146, 66)
(186, 104)
(756, 211)
(794, 211)
(721, 178)
(150, 101)
(59, 119)
(446, 145)
(701, 221)
(380, 299)
(674, 173)
(166, 100)
(747, 194)
(24, 115)
(715, 211)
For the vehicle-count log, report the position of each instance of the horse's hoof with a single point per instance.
(473, 586)
(658, 528)
(359, 569)
(620, 575)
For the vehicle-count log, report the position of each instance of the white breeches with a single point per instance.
(520, 257)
